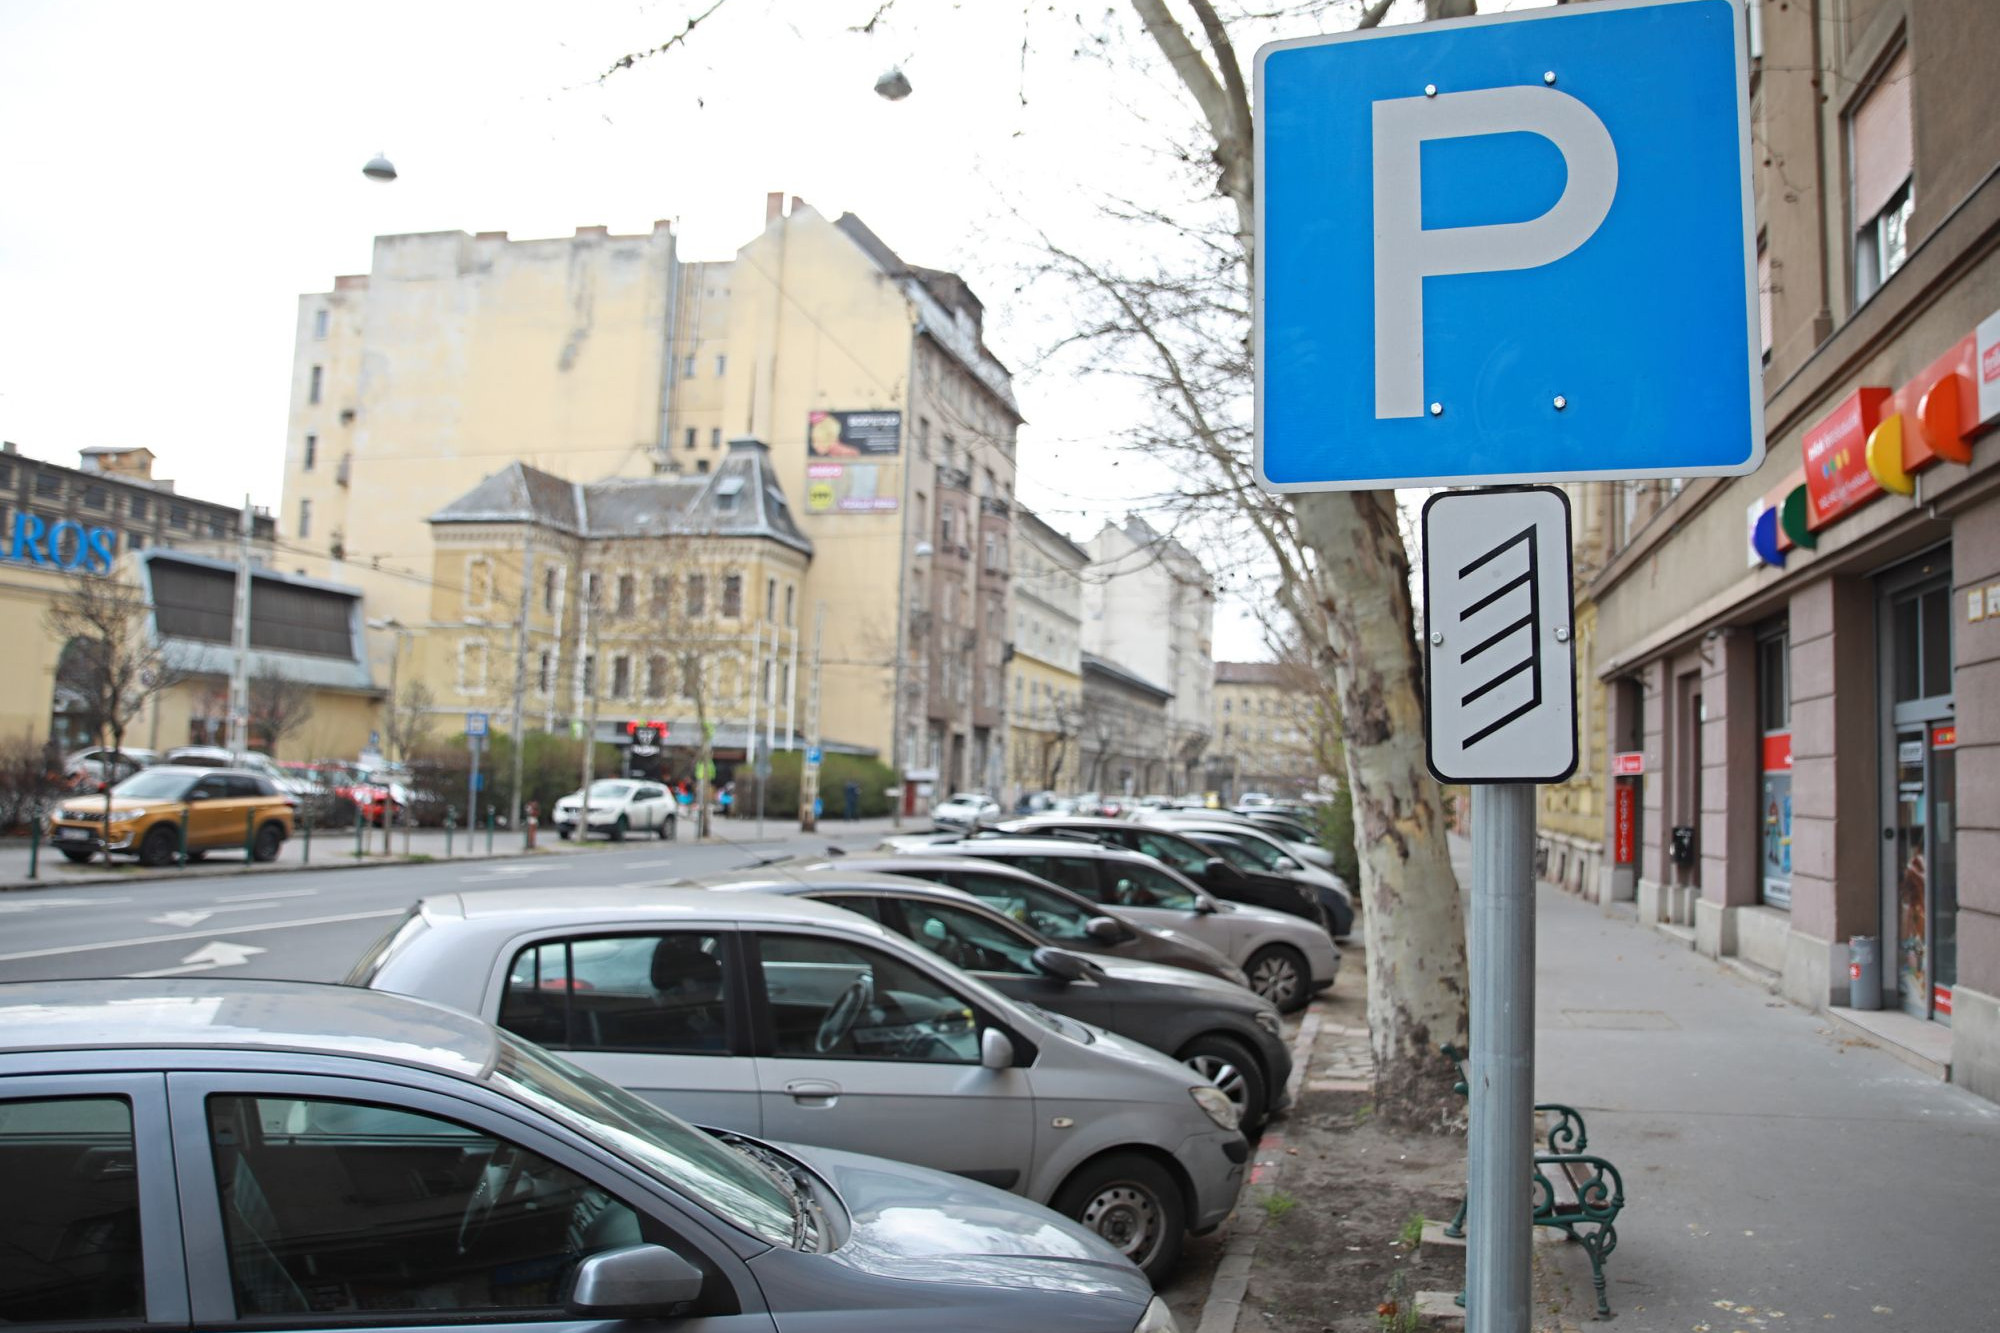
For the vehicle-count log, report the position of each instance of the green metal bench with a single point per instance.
(1576, 1193)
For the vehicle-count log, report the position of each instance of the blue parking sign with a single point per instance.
(1504, 249)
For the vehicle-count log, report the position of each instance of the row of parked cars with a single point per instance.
(491, 1120)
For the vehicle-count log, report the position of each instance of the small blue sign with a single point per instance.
(1512, 248)
(479, 782)
(475, 724)
(812, 755)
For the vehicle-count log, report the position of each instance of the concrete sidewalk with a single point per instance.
(1779, 1172)
(335, 849)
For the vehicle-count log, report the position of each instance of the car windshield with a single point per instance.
(729, 1182)
(966, 798)
(153, 785)
(610, 791)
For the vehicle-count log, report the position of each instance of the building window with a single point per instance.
(770, 599)
(697, 594)
(312, 452)
(687, 441)
(687, 367)
(179, 517)
(471, 666)
(947, 526)
(628, 594)
(478, 579)
(658, 605)
(48, 483)
(589, 674)
(551, 580)
(732, 596)
(1774, 682)
(1879, 161)
(94, 497)
(924, 438)
(715, 437)
(313, 388)
(545, 674)
(656, 676)
(690, 677)
(590, 590)
(721, 364)
(789, 591)
(319, 323)
(138, 507)
(305, 518)
(701, 466)
(621, 676)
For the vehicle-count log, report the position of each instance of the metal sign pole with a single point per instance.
(1500, 1142)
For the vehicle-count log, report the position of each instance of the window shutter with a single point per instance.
(1879, 130)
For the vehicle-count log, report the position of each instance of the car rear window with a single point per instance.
(369, 965)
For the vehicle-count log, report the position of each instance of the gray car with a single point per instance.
(1223, 1032)
(1287, 958)
(207, 1153)
(797, 1021)
(1065, 919)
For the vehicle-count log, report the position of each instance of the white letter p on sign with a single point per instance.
(1406, 254)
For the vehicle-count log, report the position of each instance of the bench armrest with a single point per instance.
(1600, 1190)
(1567, 1134)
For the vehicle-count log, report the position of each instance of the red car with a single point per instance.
(371, 793)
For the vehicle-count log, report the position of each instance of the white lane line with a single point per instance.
(268, 893)
(201, 934)
(47, 904)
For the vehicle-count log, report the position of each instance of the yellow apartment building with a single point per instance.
(1045, 673)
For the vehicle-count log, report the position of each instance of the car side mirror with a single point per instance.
(633, 1282)
(1204, 904)
(996, 1049)
(1287, 863)
(1106, 930)
(1061, 965)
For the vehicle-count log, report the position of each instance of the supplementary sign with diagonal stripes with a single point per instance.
(1500, 683)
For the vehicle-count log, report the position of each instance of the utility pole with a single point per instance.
(586, 675)
(809, 771)
(239, 664)
(756, 683)
(521, 673)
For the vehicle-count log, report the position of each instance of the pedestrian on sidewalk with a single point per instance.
(851, 795)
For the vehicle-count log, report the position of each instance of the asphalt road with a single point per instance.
(312, 925)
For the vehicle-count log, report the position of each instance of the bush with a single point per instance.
(781, 800)
(30, 780)
(551, 767)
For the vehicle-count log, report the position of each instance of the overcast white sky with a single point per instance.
(178, 174)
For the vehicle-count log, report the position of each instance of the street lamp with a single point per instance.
(380, 168)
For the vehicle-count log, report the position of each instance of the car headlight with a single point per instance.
(1157, 1319)
(1216, 1104)
(1268, 1020)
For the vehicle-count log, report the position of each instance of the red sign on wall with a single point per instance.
(1628, 763)
(1836, 452)
(1944, 738)
(1778, 752)
(1624, 822)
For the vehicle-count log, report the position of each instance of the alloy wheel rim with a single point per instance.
(1223, 1074)
(1128, 1218)
(1275, 980)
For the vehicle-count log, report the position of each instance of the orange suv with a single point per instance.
(223, 807)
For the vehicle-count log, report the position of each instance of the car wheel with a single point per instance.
(666, 828)
(620, 829)
(269, 842)
(1230, 1066)
(79, 854)
(1133, 1205)
(563, 833)
(1278, 973)
(157, 848)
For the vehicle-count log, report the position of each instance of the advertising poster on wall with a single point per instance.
(854, 434)
(852, 488)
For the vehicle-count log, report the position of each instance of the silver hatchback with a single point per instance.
(797, 1021)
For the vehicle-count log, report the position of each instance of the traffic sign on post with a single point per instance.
(1500, 677)
(475, 724)
(1511, 248)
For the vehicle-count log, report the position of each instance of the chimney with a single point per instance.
(797, 203)
(774, 206)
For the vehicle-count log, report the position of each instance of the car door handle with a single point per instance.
(813, 1091)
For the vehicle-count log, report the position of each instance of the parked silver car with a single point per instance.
(620, 807)
(211, 1152)
(1064, 918)
(1220, 1030)
(1287, 957)
(798, 1021)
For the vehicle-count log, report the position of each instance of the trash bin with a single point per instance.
(1864, 972)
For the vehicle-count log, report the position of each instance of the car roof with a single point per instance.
(1048, 846)
(199, 770)
(591, 906)
(911, 862)
(836, 881)
(242, 1014)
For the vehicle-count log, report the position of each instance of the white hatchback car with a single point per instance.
(618, 807)
(966, 809)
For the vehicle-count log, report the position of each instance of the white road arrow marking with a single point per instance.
(214, 954)
(192, 918)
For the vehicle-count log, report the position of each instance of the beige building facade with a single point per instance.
(888, 422)
(1265, 724)
(1045, 673)
(1804, 664)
